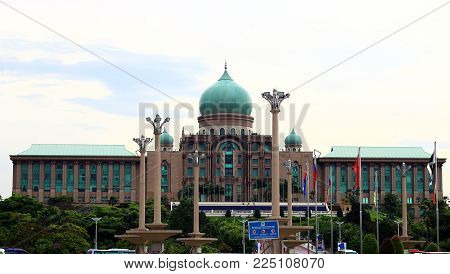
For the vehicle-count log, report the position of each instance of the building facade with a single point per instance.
(235, 167)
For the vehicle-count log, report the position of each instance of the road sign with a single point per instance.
(342, 246)
(320, 244)
(263, 230)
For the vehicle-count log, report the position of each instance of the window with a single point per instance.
(218, 172)
(239, 159)
(242, 131)
(353, 178)
(255, 172)
(211, 131)
(233, 131)
(239, 192)
(267, 147)
(35, 176)
(228, 193)
(398, 182)
(47, 176)
(387, 179)
(93, 178)
(116, 177)
(93, 199)
(409, 200)
(255, 147)
(333, 178)
(190, 146)
(239, 172)
(343, 179)
(267, 172)
(202, 172)
(105, 175)
(420, 180)
(202, 161)
(164, 177)
(81, 178)
(267, 161)
(24, 177)
(365, 178)
(365, 200)
(218, 159)
(409, 181)
(105, 199)
(127, 179)
(70, 177)
(222, 131)
(81, 199)
(228, 163)
(255, 162)
(202, 146)
(189, 172)
(127, 199)
(295, 177)
(59, 177)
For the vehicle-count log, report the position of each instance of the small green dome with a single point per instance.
(225, 96)
(166, 139)
(293, 139)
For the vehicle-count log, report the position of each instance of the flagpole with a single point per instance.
(376, 206)
(331, 211)
(436, 190)
(315, 202)
(307, 201)
(360, 203)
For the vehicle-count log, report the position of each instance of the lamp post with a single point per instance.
(243, 235)
(398, 222)
(142, 143)
(289, 166)
(156, 169)
(339, 225)
(275, 100)
(403, 171)
(96, 219)
(195, 156)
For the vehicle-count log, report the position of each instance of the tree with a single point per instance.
(257, 213)
(182, 217)
(397, 244)
(392, 205)
(386, 247)
(431, 247)
(66, 238)
(62, 202)
(370, 244)
(339, 212)
(228, 214)
(112, 201)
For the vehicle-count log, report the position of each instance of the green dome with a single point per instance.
(166, 139)
(225, 96)
(293, 139)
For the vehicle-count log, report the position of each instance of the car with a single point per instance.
(15, 251)
(2, 251)
(347, 251)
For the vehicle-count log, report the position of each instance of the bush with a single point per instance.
(387, 247)
(398, 245)
(370, 244)
(257, 214)
(431, 247)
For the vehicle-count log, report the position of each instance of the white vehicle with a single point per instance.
(347, 251)
(2, 251)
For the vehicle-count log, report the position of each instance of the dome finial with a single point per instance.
(225, 64)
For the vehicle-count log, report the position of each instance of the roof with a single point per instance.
(76, 150)
(378, 152)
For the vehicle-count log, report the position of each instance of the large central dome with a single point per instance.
(225, 96)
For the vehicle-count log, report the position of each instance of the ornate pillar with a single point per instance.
(142, 143)
(403, 170)
(275, 100)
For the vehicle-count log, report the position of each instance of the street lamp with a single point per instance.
(96, 219)
(398, 222)
(243, 235)
(339, 225)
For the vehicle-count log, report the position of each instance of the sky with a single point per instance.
(89, 71)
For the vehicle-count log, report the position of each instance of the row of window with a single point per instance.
(387, 179)
(70, 177)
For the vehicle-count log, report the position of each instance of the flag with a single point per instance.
(356, 168)
(304, 182)
(327, 197)
(314, 174)
(430, 167)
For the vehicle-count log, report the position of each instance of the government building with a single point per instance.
(236, 166)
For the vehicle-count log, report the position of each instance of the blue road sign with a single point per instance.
(342, 246)
(263, 230)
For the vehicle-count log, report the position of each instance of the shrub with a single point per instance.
(431, 247)
(370, 244)
(386, 247)
(398, 245)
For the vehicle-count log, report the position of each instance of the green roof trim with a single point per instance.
(378, 152)
(76, 150)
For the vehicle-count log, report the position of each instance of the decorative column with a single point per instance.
(142, 142)
(275, 100)
(157, 130)
(288, 165)
(403, 170)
